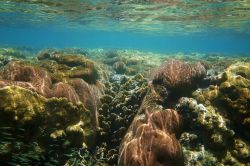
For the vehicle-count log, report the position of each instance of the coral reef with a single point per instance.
(209, 136)
(119, 105)
(231, 95)
(219, 122)
(42, 81)
(151, 138)
(45, 119)
(96, 107)
(49, 105)
(129, 62)
(17, 53)
(177, 77)
(69, 66)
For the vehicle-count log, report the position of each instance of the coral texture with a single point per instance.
(36, 113)
(178, 77)
(51, 101)
(218, 120)
(120, 103)
(151, 138)
(38, 79)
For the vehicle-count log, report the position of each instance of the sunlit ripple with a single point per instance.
(161, 16)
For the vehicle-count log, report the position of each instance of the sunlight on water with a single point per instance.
(162, 16)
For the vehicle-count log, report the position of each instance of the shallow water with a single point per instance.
(157, 26)
(125, 82)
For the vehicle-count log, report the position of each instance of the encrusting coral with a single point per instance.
(217, 120)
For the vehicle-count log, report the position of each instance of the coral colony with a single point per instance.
(63, 107)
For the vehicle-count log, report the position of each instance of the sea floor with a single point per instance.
(77, 106)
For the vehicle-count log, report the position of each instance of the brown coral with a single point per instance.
(37, 79)
(178, 76)
(151, 140)
(28, 76)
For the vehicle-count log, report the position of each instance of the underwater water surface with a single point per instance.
(125, 82)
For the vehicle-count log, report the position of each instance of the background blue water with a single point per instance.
(210, 42)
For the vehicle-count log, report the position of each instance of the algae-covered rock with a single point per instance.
(23, 108)
(231, 94)
(19, 105)
(65, 66)
(208, 131)
(222, 123)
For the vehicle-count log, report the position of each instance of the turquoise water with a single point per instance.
(157, 26)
